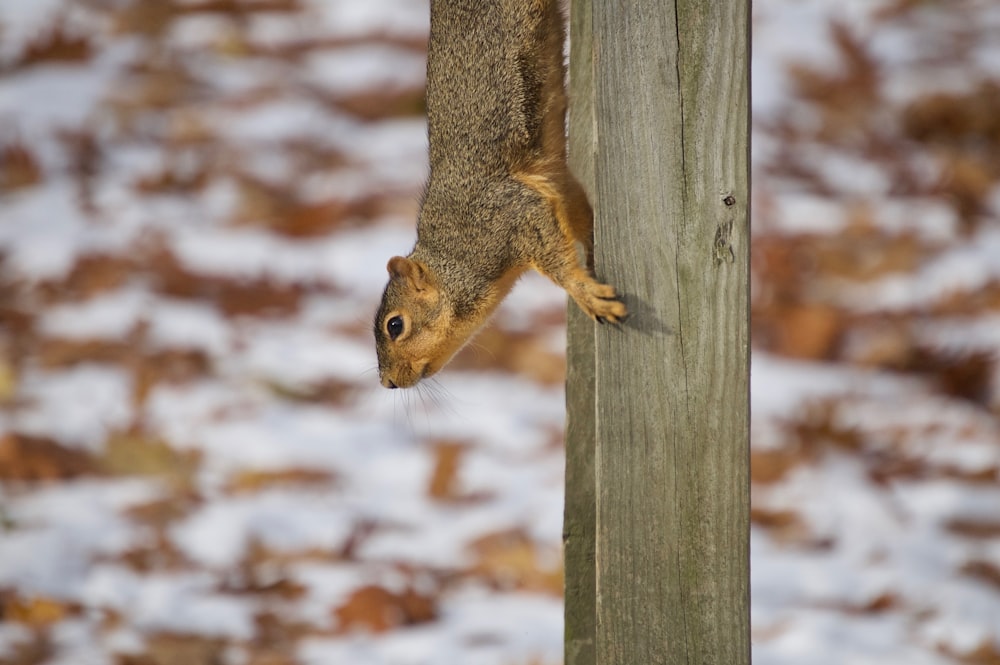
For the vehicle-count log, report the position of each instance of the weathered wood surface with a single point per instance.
(671, 387)
(580, 518)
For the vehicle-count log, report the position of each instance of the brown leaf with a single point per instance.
(769, 466)
(880, 603)
(155, 554)
(361, 531)
(376, 609)
(964, 121)
(967, 181)
(36, 611)
(984, 571)
(845, 95)
(974, 528)
(512, 560)
(19, 168)
(330, 391)
(444, 484)
(883, 602)
(150, 19)
(527, 354)
(381, 104)
(66, 352)
(963, 130)
(966, 375)
(987, 653)
(255, 480)
(306, 220)
(8, 380)
(31, 458)
(140, 455)
(178, 649)
(783, 520)
(57, 44)
(985, 298)
(809, 332)
(162, 512)
(171, 366)
(257, 297)
(268, 657)
(277, 207)
(91, 275)
(789, 528)
(819, 425)
(173, 180)
(238, 7)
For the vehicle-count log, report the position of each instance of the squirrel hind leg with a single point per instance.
(569, 223)
(598, 301)
(578, 219)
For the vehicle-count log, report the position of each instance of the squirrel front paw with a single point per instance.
(600, 302)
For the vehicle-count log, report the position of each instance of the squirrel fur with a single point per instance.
(500, 198)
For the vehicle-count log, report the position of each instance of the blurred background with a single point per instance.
(198, 466)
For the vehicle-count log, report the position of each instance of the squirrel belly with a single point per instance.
(500, 198)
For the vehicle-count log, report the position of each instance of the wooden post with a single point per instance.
(670, 388)
(580, 517)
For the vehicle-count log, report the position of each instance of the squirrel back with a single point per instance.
(495, 97)
(499, 199)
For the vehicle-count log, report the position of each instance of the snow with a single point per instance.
(43, 232)
(11, 636)
(963, 269)
(354, 260)
(174, 324)
(218, 534)
(171, 602)
(62, 527)
(360, 68)
(78, 407)
(409, 18)
(475, 628)
(108, 316)
(301, 357)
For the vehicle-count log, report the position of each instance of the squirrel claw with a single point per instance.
(604, 308)
(598, 301)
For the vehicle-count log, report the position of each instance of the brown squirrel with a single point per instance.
(500, 198)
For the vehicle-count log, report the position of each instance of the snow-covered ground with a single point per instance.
(197, 465)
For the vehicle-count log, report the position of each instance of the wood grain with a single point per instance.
(671, 84)
(580, 518)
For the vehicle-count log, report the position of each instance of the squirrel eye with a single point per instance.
(394, 327)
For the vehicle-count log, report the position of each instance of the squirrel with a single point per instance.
(500, 198)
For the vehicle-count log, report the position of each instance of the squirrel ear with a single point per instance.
(398, 266)
(413, 271)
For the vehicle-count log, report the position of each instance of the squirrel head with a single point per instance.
(415, 326)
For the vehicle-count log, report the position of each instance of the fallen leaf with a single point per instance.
(984, 571)
(178, 649)
(444, 484)
(19, 168)
(36, 611)
(255, 480)
(136, 454)
(31, 458)
(512, 560)
(377, 609)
